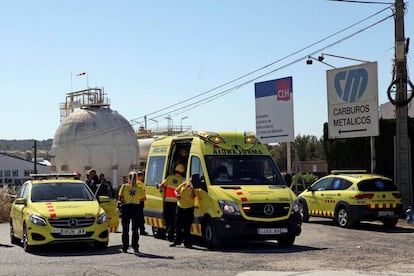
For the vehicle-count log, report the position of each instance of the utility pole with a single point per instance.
(35, 156)
(402, 168)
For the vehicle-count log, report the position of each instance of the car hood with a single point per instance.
(66, 208)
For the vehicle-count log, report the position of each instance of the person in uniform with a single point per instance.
(167, 188)
(185, 214)
(131, 195)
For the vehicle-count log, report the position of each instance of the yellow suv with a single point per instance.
(57, 208)
(349, 197)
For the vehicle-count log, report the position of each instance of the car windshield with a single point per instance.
(243, 169)
(377, 185)
(60, 192)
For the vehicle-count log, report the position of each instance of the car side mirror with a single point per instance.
(197, 183)
(20, 201)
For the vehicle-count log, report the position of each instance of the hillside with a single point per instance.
(24, 148)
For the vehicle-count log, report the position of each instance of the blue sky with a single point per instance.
(148, 55)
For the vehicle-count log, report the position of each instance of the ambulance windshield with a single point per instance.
(243, 169)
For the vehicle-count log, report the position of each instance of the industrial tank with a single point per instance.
(97, 137)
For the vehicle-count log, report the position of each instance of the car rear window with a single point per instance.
(376, 185)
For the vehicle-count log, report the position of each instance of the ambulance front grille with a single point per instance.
(266, 210)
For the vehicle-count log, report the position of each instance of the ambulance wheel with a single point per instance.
(286, 241)
(158, 232)
(390, 222)
(26, 246)
(210, 235)
(304, 211)
(343, 217)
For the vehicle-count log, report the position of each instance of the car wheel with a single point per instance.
(390, 222)
(13, 238)
(159, 233)
(343, 217)
(210, 236)
(304, 211)
(26, 246)
(286, 241)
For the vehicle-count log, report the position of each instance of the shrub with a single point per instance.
(5, 203)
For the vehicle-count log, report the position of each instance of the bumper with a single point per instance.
(231, 227)
(364, 213)
(42, 235)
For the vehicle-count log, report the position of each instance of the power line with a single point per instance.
(215, 96)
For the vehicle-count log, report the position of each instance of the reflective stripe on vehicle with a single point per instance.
(321, 213)
(382, 205)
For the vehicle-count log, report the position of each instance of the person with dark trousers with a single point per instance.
(140, 181)
(130, 195)
(168, 187)
(92, 180)
(185, 214)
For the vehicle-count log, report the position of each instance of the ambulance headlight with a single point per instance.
(102, 218)
(295, 207)
(229, 208)
(38, 220)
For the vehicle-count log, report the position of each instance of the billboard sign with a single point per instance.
(274, 111)
(353, 101)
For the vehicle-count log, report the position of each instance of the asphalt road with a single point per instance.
(321, 249)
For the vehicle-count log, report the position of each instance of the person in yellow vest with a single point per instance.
(168, 187)
(140, 181)
(185, 214)
(131, 195)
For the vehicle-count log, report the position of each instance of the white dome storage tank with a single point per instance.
(95, 137)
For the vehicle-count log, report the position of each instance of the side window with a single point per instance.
(23, 191)
(155, 169)
(322, 185)
(196, 168)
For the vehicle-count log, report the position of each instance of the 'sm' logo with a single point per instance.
(351, 85)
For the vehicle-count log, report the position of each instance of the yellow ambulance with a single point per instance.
(240, 192)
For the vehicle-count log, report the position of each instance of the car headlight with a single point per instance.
(102, 218)
(229, 208)
(295, 207)
(35, 219)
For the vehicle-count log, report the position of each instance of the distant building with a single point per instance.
(14, 170)
(387, 110)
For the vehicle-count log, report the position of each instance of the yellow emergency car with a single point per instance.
(349, 197)
(240, 192)
(56, 208)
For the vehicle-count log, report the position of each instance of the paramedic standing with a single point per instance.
(140, 181)
(131, 195)
(168, 187)
(185, 214)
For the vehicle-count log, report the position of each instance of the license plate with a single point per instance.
(385, 213)
(271, 231)
(70, 232)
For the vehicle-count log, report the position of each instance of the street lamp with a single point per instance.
(156, 121)
(169, 120)
(320, 59)
(181, 122)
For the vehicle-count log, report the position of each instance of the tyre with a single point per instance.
(343, 217)
(304, 211)
(26, 246)
(13, 238)
(210, 235)
(390, 222)
(159, 233)
(286, 241)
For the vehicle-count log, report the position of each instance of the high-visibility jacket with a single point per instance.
(169, 185)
